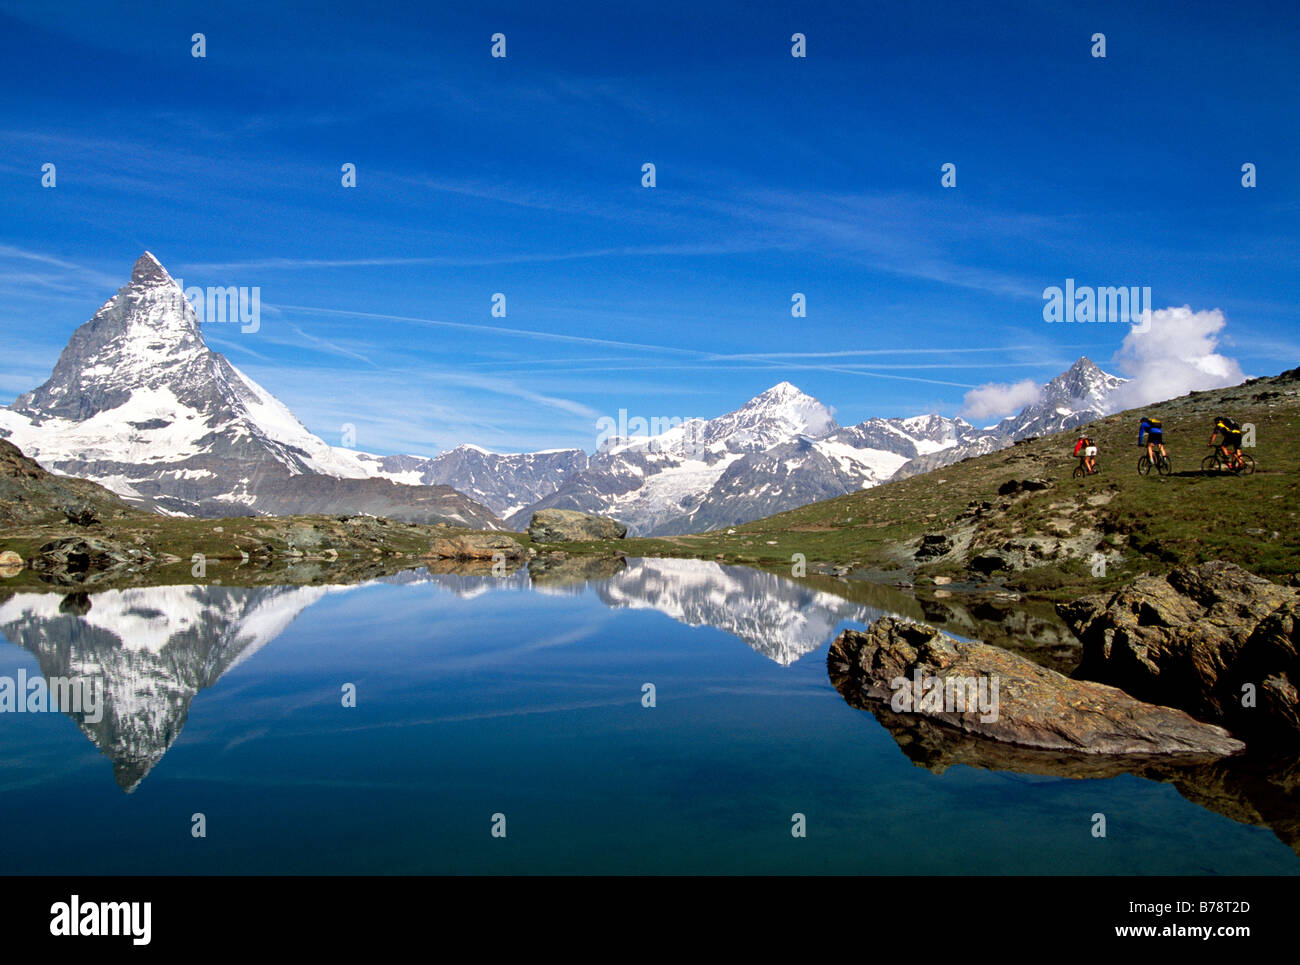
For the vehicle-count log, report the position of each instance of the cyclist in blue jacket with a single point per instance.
(1155, 436)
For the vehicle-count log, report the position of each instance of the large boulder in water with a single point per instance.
(567, 525)
(475, 546)
(1214, 639)
(991, 693)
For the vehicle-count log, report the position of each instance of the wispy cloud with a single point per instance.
(83, 276)
(475, 261)
(489, 329)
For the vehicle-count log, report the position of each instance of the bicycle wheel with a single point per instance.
(1249, 466)
(1144, 465)
(1078, 472)
(1210, 464)
(1165, 467)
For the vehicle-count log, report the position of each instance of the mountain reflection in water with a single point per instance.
(155, 648)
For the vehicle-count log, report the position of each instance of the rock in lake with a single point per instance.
(475, 546)
(1205, 638)
(566, 525)
(79, 559)
(994, 694)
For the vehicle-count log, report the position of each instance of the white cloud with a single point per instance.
(1000, 399)
(1175, 355)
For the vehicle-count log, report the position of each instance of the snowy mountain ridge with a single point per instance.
(138, 403)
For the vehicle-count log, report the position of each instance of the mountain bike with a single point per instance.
(1217, 462)
(1080, 472)
(1162, 465)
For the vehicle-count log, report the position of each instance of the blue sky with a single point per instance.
(522, 175)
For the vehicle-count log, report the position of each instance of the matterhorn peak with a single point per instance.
(144, 338)
(148, 270)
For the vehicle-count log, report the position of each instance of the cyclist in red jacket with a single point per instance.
(1089, 454)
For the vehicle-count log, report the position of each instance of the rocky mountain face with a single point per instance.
(1079, 394)
(140, 404)
(781, 449)
(506, 483)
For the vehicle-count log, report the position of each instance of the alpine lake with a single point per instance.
(629, 716)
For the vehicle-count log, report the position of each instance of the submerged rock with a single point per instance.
(1213, 639)
(566, 525)
(994, 694)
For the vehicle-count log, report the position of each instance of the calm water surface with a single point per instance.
(522, 696)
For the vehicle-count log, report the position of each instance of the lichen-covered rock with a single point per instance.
(1213, 639)
(1005, 697)
(567, 525)
(475, 546)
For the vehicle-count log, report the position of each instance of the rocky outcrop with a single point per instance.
(11, 564)
(1214, 639)
(566, 525)
(81, 515)
(934, 545)
(29, 495)
(73, 559)
(991, 693)
(1013, 487)
(475, 546)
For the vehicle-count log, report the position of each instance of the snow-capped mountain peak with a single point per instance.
(1083, 381)
(777, 415)
(139, 403)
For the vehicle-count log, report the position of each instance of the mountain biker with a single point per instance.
(1089, 457)
(1155, 437)
(1228, 431)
